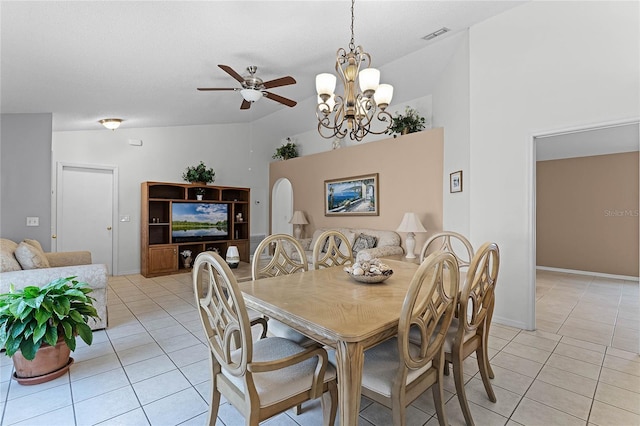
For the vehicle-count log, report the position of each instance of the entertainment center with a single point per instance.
(181, 216)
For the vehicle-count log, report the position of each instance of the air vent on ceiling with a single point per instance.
(436, 33)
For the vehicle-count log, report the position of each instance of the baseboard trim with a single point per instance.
(597, 274)
(509, 322)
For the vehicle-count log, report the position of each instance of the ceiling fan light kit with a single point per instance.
(352, 113)
(252, 88)
(111, 123)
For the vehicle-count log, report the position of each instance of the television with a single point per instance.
(195, 222)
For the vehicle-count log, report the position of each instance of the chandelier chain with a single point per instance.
(352, 44)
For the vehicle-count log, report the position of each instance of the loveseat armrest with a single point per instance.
(68, 258)
(378, 252)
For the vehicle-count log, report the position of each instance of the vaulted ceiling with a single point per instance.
(142, 61)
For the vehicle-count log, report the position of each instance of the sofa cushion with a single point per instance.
(30, 257)
(364, 241)
(8, 262)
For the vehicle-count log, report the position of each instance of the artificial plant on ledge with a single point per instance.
(199, 174)
(409, 122)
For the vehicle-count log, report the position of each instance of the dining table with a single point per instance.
(330, 307)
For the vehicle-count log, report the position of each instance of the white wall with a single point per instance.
(451, 112)
(163, 156)
(535, 68)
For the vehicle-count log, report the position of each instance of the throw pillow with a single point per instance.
(34, 243)
(30, 257)
(314, 237)
(325, 247)
(364, 242)
(8, 261)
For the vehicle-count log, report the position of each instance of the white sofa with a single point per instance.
(387, 243)
(49, 266)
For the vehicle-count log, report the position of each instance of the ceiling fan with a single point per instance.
(253, 88)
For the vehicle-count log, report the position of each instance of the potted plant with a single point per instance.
(286, 151)
(409, 122)
(199, 174)
(39, 325)
(200, 193)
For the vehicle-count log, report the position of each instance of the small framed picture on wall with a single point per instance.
(455, 181)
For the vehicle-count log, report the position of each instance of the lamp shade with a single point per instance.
(383, 95)
(298, 218)
(251, 95)
(325, 84)
(369, 79)
(411, 223)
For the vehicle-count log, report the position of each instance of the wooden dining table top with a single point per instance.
(329, 305)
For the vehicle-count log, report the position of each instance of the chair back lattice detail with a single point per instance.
(286, 257)
(478, 294)
(222, 312)
(428, 307)
(451, 242)
(338, 250)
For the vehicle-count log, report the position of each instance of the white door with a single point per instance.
(282, 207)
(85, 211)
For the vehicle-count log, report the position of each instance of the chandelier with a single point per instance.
(354, 112)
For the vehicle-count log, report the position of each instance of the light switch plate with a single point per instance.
(33, 221)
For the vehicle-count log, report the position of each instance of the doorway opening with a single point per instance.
(281, 207)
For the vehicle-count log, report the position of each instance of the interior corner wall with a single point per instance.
(410, 179)
(25, 176)
(451, 112)
(587, 214)
(539, 67)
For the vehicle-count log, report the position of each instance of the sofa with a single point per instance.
(26, 263)
(364, 241)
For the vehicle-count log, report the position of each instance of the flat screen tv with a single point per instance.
(195, 222)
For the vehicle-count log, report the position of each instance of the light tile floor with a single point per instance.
(150, 367)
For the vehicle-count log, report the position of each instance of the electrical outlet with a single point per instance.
(125, 218)
(33, 221)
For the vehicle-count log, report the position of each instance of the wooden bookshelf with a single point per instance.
(160, 250)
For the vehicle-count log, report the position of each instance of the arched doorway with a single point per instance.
(281, 207)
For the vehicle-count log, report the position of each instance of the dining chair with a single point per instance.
(332, 248)
(452, 242)
(469, 332)
(280, 254)
(397, 371)
(262, 378)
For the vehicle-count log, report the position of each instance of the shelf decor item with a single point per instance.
(286, 151)
(200, 193)
(199, 174)
(39, 326)
(233, 257)
(186, 258)
(409, 122)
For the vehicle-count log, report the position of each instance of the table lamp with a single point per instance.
(299, 221)
(411, 224)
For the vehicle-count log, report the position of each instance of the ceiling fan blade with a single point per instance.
(245, 104)
(232, 73)
(216, 88)
(283, 81)
(282, 100)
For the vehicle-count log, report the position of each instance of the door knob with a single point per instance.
(54, 236)
(108, 228)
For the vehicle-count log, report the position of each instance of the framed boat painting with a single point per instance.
(352, 196)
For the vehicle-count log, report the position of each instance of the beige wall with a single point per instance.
(587, 214)
(410, 179)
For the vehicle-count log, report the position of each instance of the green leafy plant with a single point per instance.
(35, 315)
(199, 173)
(286, 151)
(409, 122)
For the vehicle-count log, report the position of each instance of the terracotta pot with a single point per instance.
(50, 362)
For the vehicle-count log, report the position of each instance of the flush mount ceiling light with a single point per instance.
(111, 123)
(353, 113)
